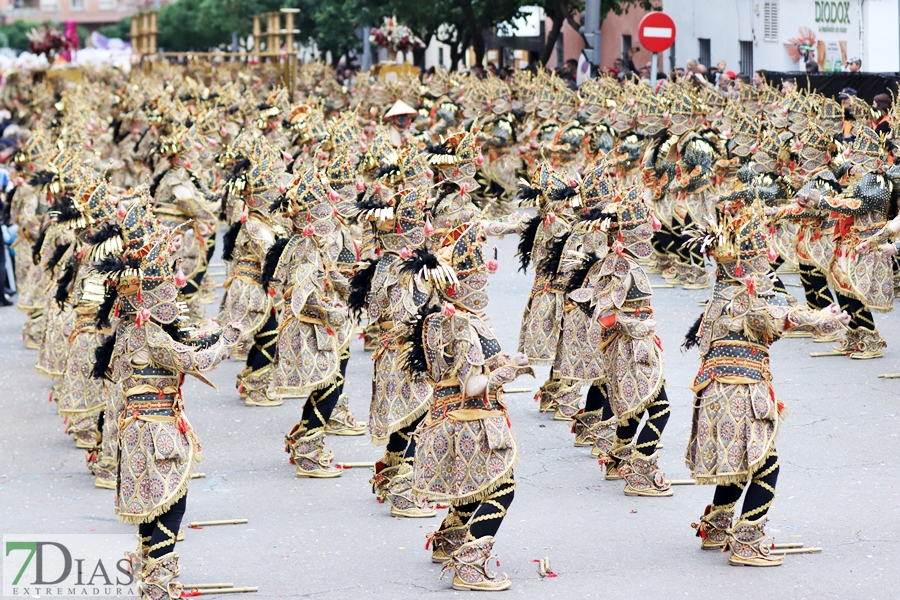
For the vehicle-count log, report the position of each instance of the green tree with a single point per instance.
(569, 11)
(121, 29)
(17, 33)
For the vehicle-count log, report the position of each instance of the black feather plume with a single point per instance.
(42, 177)
(11, 194)
(420, 259)
(270, 263)
(106, 307)
(387, 170)
(110, 264)
(360, 286)
(103, 356)
(240, 165)
(526, 192)
(106, 232)
(526, 242)
(65, 211)
(281, 204)
(371, 204)
(692, 339)
(550, 264)
(58, 252)
(594, 214)
(576, 280)
(64, 283)
(36, 249)
(564, 193)
(154, 185)
(229, 240)
(415, 360)
(441, 148)
(140, 139)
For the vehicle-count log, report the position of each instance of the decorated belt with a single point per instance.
(150, 405)
(249, 269)
(442, 406)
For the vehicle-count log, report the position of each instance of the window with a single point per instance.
(77, 4)
(705, 54)
(770, 21)
(48, 5)
(106, 5)
(747, 58)
(626, 48)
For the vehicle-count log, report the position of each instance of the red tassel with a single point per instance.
(330, 332)
(160, 395)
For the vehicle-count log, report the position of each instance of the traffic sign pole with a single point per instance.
(657, 34)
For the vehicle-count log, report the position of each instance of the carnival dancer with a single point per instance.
(450, 342)
(578, 358)
(618, 292)
(157, 446)
(862, 281)
(257, 180)
(736, 414)
(313, 329)
(86, 403)
(399, 403)
(542, 320)
(815, 228)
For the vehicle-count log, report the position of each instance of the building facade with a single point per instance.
(90, 13)
(782, 35)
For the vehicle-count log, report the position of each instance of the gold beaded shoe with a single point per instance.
(643, 477)
(750, 546)
(713, 527)
(470, 566)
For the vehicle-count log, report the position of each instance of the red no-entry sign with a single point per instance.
(657, 31)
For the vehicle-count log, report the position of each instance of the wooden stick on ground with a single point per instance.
(657, 286)
(796, 551)
(829, 353)
(683, 482)
(240, 590)
(789, 545)
(198, 475)
(517, 390)
(364, 463)
(889, 376)
(205, 586)
(223, 522)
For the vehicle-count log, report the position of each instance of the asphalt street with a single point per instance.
(839, 486)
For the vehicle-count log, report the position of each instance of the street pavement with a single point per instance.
(839, 486)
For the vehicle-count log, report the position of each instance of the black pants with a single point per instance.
(160, 534)
(688, 252)
(860, 316)
(262, 353)
(815, 287)
(657, 417)
(402, 443)
(484, 518)
(597, 399)
(760, 492)
(321, 402)
(665, 242)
